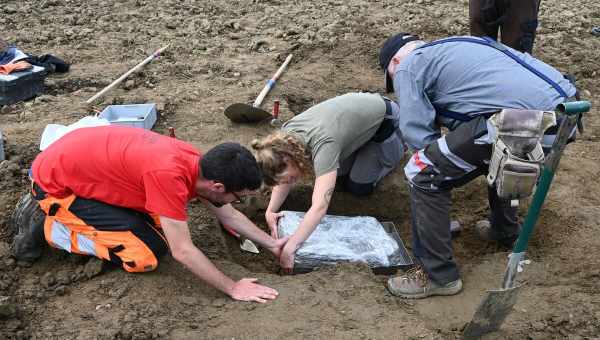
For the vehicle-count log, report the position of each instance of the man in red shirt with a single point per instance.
(121, 194)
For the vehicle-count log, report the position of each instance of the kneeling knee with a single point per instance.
(359, 189)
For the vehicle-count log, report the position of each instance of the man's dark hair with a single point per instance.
(232, 165)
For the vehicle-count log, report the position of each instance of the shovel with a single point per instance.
(498, 303)
(245, 244)
(244, 113)
(127, 74)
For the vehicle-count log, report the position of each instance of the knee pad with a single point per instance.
(342, 180)
(359, 189)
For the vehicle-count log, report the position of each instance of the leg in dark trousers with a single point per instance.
(520, 24)
(484, 18)
(503, 218)
(451, 162)
(432, 241)
(516, 20)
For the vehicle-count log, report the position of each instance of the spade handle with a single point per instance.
(572, 112)
(271, 82)
(137, 67)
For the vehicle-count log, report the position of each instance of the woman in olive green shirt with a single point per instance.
(353, 138)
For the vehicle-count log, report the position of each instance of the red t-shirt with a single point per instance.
(123, 166)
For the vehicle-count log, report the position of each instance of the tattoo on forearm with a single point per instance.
(328, 195)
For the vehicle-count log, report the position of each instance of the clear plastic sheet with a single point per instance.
(341, 238)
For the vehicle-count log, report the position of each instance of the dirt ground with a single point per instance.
(221, 52)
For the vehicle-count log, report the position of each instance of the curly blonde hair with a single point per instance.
(273, 151)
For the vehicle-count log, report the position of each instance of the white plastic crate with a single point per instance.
(137, 115)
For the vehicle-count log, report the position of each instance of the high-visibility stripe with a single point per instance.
(416, 164)
(459, 162)
(86, 246)
(418, 161)
(61, 236)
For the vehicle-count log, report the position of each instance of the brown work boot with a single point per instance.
(28, 222)
(415, 284)
(485, 232)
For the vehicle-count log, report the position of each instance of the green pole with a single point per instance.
(571, 112)
(534, 210)
(571, 108)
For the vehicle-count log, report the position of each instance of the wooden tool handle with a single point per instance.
(126, 74)
(282, 68)
(271, 82)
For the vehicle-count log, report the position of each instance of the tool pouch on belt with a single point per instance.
(517, 155)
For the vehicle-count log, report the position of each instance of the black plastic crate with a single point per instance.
(22, 85)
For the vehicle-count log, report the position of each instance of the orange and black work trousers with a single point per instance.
(125, 237)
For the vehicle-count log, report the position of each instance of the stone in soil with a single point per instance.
(63, 277)
(48, 280)
(10, 263)
(118, 292)
(130, 84)
(93, 268)
(8, 310)
(4, 250)
(60, 290)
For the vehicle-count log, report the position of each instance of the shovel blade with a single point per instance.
(244, 113)
(249, 246)
(492, 311)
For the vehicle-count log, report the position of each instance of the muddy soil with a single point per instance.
(221, 52)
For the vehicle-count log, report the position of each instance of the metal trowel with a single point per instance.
(244, 113)
(245, 244)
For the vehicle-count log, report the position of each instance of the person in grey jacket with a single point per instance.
(457, 83)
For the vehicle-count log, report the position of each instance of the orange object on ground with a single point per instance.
(14, 67)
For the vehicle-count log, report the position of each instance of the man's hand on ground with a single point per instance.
(272, 218)
(286, 260)
(248, 290)
(277, 248)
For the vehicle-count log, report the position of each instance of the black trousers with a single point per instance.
(516, 20)
(451, 162)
